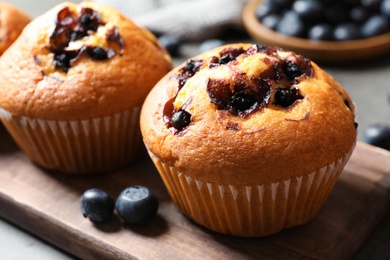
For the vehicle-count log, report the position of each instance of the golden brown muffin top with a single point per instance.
(12, 22)
(241, 109)
(78, 62)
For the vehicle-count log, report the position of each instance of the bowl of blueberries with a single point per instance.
(330, 31)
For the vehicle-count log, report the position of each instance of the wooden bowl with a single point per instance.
(318, 51)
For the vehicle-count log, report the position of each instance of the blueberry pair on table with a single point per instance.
(136, 205)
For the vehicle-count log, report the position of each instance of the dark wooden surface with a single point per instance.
(47, 204)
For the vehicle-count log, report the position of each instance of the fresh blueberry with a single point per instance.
(385, 8)
(97, 205)
(171, 43)
(331, 2)
(346, 32)
(321, 32)
(137, 205)
(291, 25)
(351, 2)
(378, 134)
(308, 11)
(275, 6)
(375, 25)
(329, 20)
(388, 95)
(210, 44)
(271, 21)
(262, 10)
(283, 3)
(358, 14)
(373, 5)
(335, 14)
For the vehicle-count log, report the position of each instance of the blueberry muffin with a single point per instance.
(73, 84)
(12, 22)
(249, 139)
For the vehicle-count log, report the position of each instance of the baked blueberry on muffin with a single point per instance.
(249, 139)
(12, 22)
(73, 84)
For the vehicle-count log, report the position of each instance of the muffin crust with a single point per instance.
(12, 22)
(266, 138)
(35, 84)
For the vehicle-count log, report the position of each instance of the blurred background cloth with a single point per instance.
(193, 20)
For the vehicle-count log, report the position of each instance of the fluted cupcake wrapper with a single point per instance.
(78, 146)
(253, 210)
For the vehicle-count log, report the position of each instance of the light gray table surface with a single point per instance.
(366, 82)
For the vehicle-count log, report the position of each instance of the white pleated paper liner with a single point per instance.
(255, 210)
(81, 146)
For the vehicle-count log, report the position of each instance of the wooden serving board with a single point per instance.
(47, 204)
